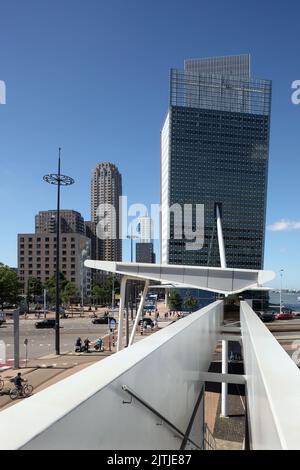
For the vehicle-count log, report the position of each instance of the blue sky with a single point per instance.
(91, 76)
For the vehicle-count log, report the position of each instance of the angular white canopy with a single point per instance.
(221, 280)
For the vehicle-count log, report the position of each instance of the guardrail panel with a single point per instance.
(86, 410)
(273, 387)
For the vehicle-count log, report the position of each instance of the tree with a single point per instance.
(50, 286)
(34, 288)
(10, 286)
(98, 294)
(69, 292)
(190, 302)
(102, 293)
(174, 300)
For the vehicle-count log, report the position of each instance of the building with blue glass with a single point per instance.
(215, 151)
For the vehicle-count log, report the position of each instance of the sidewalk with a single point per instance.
(48, 370)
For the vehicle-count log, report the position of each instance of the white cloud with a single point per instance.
(284, 225)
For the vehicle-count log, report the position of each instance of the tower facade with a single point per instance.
(106, 188)
(215, 150)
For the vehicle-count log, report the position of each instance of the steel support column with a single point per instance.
(139, 312)
(121, 312)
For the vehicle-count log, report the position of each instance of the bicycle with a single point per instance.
(23, 392)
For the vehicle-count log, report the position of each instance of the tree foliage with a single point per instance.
(68, 290)
(102, 293)
(34, 288)
(190, 302)
(50, 286)
(10, 286)
(69, 293)
(174, 300)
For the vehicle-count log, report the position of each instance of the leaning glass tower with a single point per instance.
(215, 150)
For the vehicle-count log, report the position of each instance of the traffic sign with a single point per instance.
(112, 324)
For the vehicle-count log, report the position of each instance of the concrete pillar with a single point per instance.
(16, 339)
(121, 313)
(224, 397)
(139, 312)
(166, 297)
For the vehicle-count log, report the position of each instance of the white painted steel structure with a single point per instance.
(87, 410)
(223, 281)
(91, 410)
(273, 387)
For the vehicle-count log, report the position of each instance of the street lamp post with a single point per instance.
(84, 255)
(132, 237)
(280, 292)
(59, 180)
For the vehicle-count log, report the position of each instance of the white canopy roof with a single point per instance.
(221, 280)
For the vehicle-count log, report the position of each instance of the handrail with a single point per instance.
(191, 422)
(159, 415)
(209, 442)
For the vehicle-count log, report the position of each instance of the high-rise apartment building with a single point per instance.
(106, 188)
(214, 150)
(70, 222)
(37, 251)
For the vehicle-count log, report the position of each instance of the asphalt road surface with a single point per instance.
(41, 342)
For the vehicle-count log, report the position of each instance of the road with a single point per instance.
(41, 342)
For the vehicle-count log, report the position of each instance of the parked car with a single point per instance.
(284, 316)
(266, 316)
(2, 318)
(45, 324)
(102, 320)
(147, 321)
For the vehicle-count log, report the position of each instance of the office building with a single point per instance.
(144, 247)
(214, 151)
(144, 253)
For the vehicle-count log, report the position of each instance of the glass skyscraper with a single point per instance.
(215, 150)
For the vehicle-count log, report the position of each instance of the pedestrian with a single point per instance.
(78, 345)
(87, 345)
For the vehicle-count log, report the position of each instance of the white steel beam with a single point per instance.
(121, 312)
(139, 312)
(224, 378)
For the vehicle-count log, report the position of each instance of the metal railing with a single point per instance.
(273, 387)
(209, 442)
(192, 444)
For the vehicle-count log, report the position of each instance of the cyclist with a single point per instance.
(18, 383)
